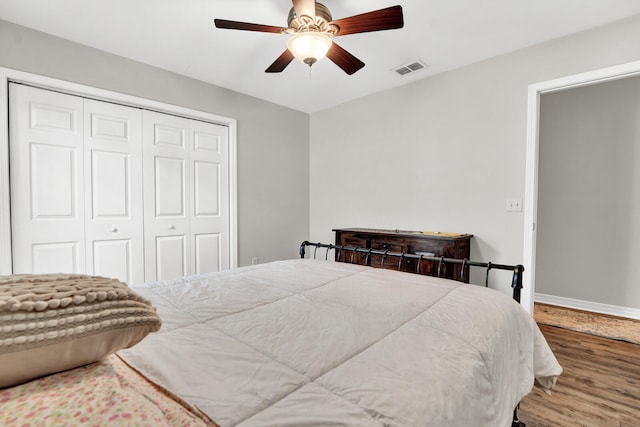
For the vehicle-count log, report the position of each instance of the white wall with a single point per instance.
(273, 150)
(589, 193)
(445, 153)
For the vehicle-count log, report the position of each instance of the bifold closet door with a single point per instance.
(76, 185)
(209, 179)
(186, 190)
(166, 195)
(113, 191)
(47, 175)
(116, 191)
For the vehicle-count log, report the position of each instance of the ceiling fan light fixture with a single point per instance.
(312, 28)
(309, 46)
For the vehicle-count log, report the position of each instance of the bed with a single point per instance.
(315, 342)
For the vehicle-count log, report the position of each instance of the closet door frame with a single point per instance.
(8, 75)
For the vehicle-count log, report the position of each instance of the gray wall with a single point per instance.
(589, 193)
(444, 153)
(273, 141)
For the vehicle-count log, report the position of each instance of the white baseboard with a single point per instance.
(596, 307)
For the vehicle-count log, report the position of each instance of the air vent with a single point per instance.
(411, 67)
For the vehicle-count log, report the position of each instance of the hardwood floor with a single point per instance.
(602, 325)
(600, 385)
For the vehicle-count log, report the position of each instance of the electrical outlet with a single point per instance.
(255, 260)
(514, 205)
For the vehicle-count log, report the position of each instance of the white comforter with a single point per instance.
(319, 343)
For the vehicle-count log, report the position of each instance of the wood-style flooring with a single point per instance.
(602, 325)
(600, 385)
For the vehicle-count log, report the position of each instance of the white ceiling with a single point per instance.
(179, 35)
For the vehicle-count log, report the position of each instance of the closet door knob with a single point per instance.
(114, 230)
(172, 227)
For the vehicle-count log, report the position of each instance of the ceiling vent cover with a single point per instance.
(411, 67)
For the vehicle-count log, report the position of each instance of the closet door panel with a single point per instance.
(113, 196)
(170, 187)
(206, 189)
(47, 181)
(171, 259)
(209, 187)
(207, 252)
(110, 185)
(113, 258)
(53, 189)
(56, 257)
(166, 196)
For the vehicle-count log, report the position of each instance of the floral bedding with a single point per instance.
(107, 392)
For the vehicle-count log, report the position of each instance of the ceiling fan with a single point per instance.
(313, 28)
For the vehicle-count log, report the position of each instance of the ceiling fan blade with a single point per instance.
(343, 59)
(389, 18)
(281, 63)
(235, 25)
(305, 7)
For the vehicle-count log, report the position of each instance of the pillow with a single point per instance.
(53, 322)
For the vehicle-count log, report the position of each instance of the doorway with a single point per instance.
(532, 161)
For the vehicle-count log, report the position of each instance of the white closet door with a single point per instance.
(113, 191)
(105, 189)
(209, 189)
(46, 155)
(166, 196)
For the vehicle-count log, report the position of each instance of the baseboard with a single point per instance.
(596, 307)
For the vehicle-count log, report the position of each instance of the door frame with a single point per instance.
(602, 75)
(8, 75)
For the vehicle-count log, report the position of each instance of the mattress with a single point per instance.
(309, 342)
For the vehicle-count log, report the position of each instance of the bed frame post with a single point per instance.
(302, 250)
(516, 422)
(516, 283)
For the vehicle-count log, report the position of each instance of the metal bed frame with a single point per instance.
(516, 281)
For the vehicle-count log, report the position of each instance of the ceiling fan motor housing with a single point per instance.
(321, 23)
